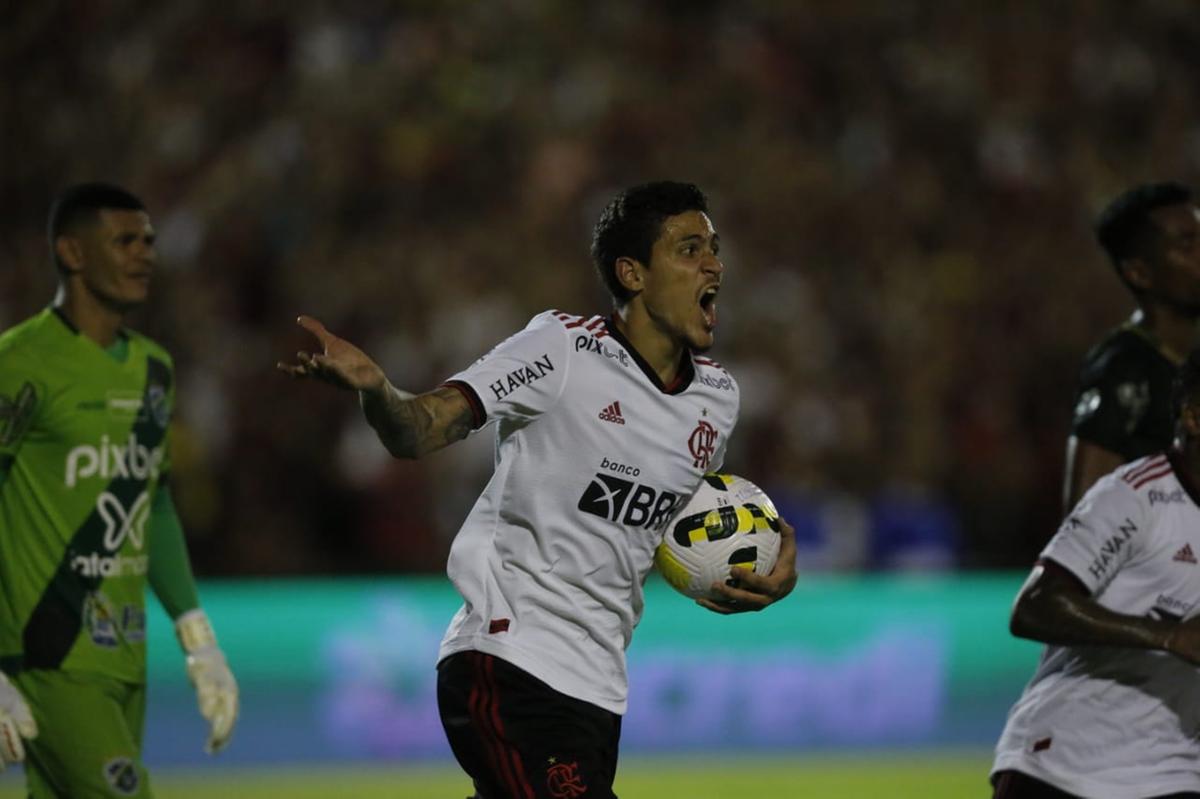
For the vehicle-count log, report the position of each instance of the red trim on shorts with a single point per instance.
(473, 711)
(513, 754)
(478, 708)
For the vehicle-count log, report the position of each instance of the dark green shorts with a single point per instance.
(89, 736)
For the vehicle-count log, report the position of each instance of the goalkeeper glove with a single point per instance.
(216, 690)
(16, 722)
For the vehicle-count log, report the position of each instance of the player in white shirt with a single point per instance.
(1113, 711)
(604, 428)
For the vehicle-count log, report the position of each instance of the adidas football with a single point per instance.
(729, 521)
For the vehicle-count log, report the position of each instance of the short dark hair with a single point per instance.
(1187, 384)
(81, 204)
(632, 222)
(1124, 228)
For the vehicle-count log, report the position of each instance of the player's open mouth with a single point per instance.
(708, 306)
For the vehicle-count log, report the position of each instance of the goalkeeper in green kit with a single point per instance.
(86, 517)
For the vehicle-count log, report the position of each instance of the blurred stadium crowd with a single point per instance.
(904, 191)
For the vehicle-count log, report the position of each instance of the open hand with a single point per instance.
(340, 362)
(756, 591)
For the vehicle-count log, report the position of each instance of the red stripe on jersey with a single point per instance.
(577, 323)
(1152, 476)
(1135, 473)
(566, 317)
(595, 320)
(708, 362)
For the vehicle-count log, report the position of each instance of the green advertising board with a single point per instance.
(344, 670)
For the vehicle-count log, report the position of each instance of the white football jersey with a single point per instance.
(1109, 722)
(594, 455)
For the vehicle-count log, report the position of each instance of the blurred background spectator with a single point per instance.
(904, 189)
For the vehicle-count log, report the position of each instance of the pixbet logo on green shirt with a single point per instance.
(104, 462)
(108, 460)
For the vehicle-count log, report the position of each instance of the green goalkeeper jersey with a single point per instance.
(83, 449)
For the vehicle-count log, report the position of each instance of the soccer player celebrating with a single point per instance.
(1114, 707)
(604, 428)
(1151, 234)
(86, 517)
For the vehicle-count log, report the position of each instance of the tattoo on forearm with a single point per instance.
(459, 425)
(411, 426)
(398, 420)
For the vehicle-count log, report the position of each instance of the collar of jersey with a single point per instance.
(119, 351)
(686, 369)
(1170, 356)
(1185, 478)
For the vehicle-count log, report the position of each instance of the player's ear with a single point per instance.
(1190, 418)
(630, 273)
(1137, 272)
(69, 252)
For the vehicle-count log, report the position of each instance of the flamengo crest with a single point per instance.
(702, 444)
(564, 781)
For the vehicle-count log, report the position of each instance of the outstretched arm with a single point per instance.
(409, 425)
(1056, 608)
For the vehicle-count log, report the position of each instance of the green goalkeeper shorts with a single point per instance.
(89, 739)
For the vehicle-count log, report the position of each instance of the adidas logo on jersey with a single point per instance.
(613, 414)
(1185, 555)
